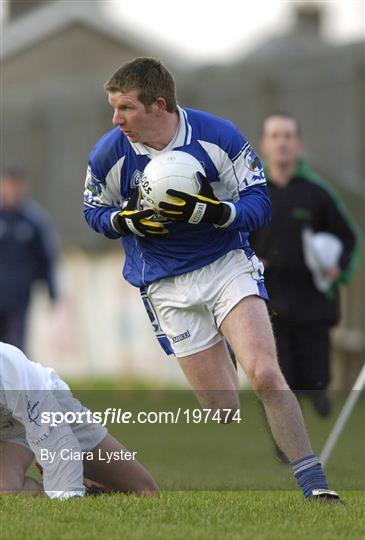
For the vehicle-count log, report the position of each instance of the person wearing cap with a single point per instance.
(308, 250)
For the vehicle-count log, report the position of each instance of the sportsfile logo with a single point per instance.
(181, 337)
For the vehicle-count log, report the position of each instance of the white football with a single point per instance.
(170, 170)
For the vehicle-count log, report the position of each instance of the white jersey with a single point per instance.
(26, 390)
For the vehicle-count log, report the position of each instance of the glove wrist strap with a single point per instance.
(228, 215)
(198, 213)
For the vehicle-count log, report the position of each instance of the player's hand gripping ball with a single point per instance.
(137, 220)
(174, 184)
(177, 170)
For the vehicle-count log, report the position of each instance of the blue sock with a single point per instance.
(309, 474)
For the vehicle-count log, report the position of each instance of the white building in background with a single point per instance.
(100, 328)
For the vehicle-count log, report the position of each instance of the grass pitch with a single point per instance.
(264, 515)
(217, 482)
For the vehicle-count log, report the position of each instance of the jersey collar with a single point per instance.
(182, 137)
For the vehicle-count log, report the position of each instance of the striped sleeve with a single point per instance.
(242, 181)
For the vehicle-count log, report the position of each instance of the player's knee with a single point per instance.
(266, 377)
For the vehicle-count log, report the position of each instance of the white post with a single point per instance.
(343, 417)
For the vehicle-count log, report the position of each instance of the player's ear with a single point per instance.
(161, 104)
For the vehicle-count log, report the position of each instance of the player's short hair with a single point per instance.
(282, 114)
(150, 77)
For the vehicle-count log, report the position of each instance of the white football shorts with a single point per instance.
(190, 308)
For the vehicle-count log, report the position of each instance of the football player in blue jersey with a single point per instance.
(201, 282)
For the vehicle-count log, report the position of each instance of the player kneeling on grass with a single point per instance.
(26, 390)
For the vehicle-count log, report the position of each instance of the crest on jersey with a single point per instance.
(93, 187)
(252, 160)
(136, 178)
(33, 411)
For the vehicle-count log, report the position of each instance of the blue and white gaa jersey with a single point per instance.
(232, 168)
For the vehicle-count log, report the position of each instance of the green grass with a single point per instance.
(247, 493)
(231, 457)
(184, 515)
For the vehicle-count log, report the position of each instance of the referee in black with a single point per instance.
(302, 315)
